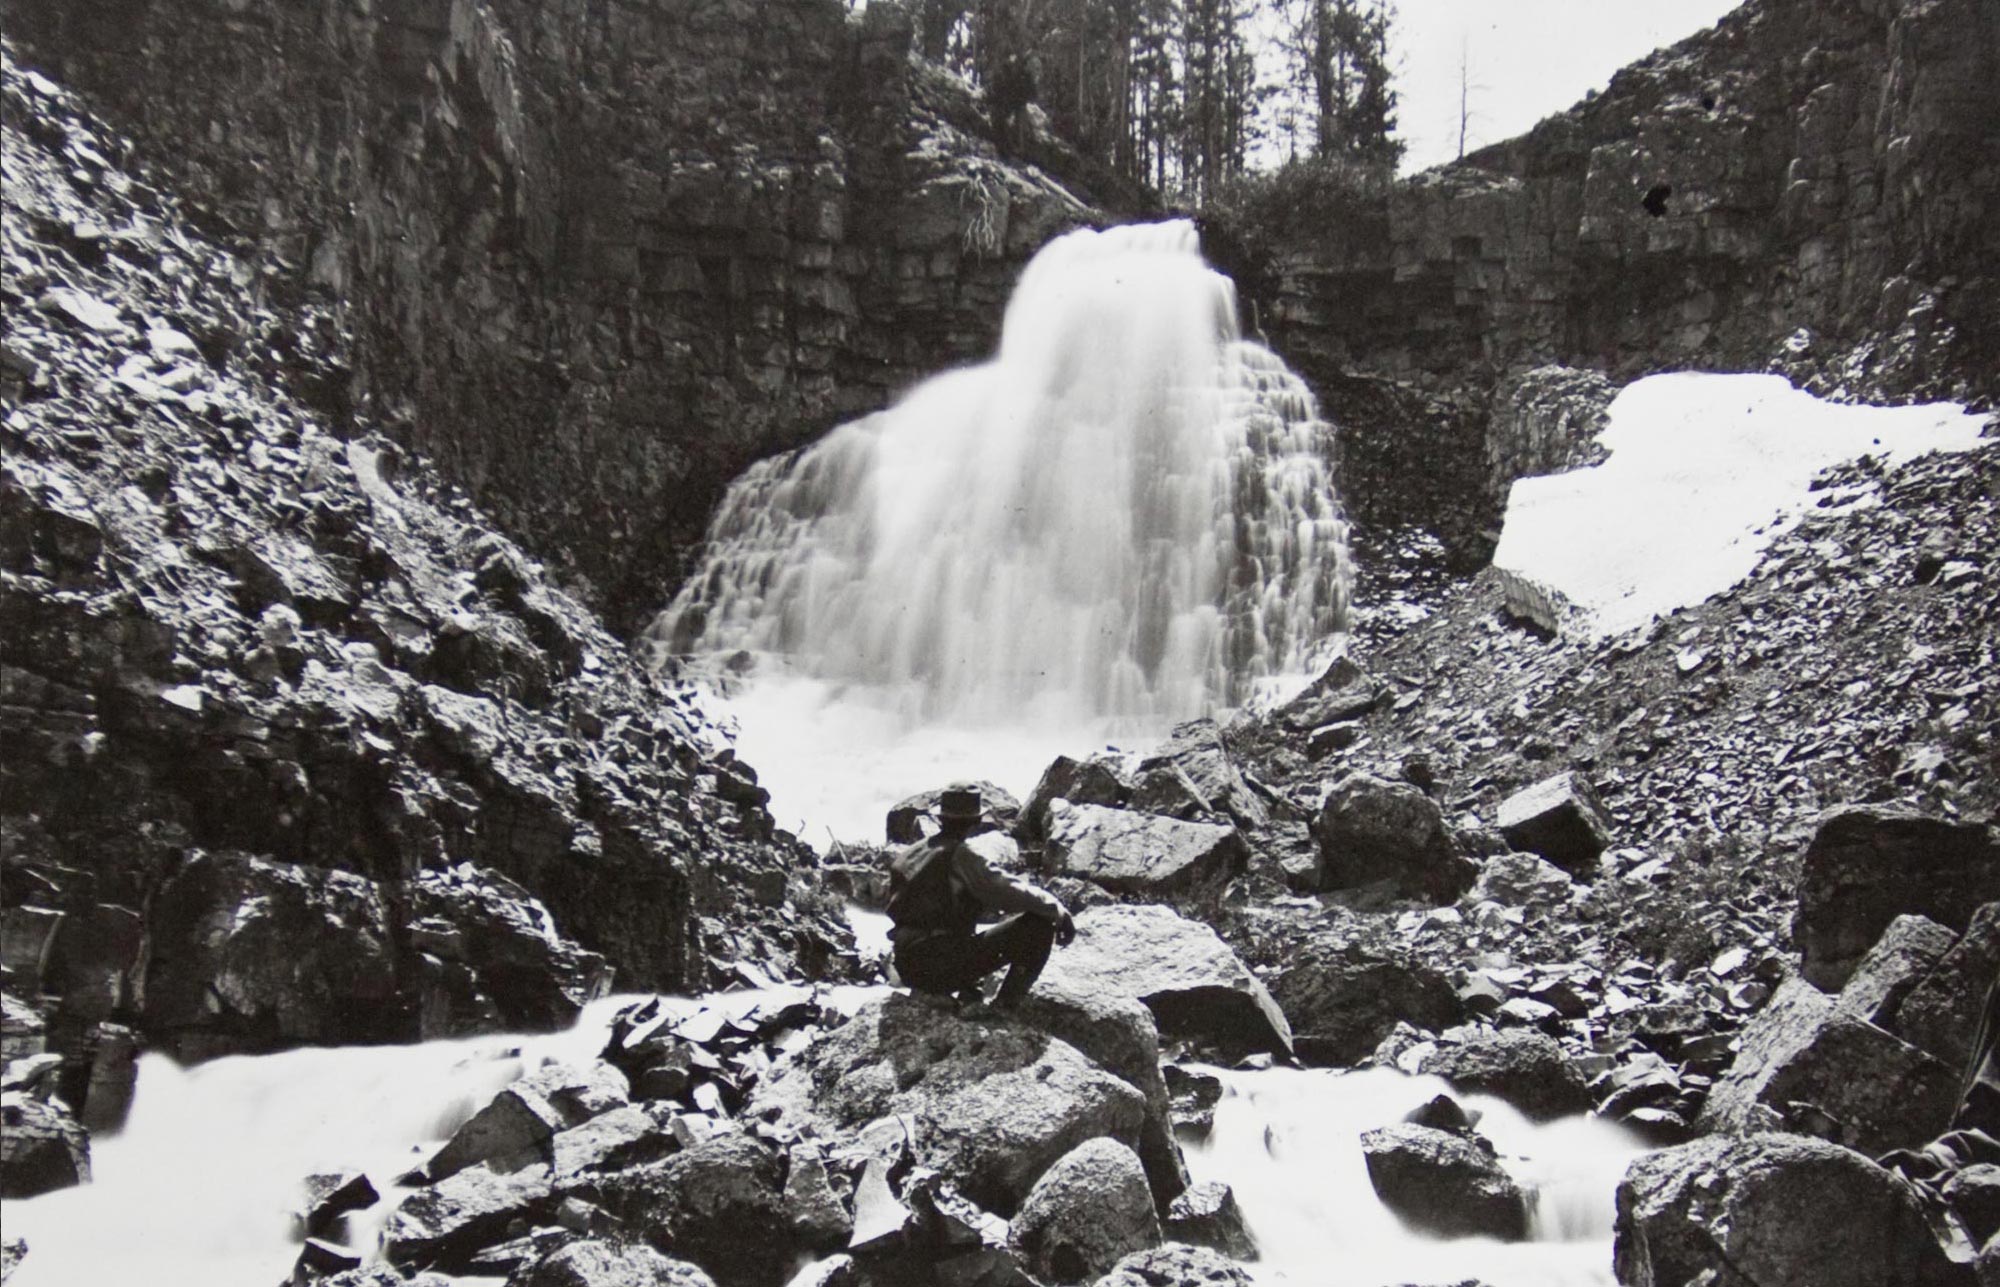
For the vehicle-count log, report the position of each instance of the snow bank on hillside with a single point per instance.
(1705, 471)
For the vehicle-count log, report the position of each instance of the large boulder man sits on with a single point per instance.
(940, 887)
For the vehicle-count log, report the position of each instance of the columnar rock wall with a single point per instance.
(592, 258)
(1812, 182)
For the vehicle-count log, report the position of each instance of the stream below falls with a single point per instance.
(198, 1189)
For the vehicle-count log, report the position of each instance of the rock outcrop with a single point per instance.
(1186, 975)
(988, 1106)
(1868, 865)
(300, 749)
(1804, 185)
(1446, 1183)
(591, 262)
(1769, 1209)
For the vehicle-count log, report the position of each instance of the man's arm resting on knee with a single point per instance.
(1003, 893)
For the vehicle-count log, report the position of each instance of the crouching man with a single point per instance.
(940, 888)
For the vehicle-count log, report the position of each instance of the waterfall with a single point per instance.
(1127, 514)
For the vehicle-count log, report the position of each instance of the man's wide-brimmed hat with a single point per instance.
(960, 804)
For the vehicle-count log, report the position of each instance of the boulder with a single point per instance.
(595, 1263)
(989, 1105)
(12, 1252)
(443, 1225)
(1805, 1065)
(1176, 1264)
(330, 1196)
(1973, 1192)
(1118, 1034)
(1181, 969)
(1086, 1212)
(1342, 692)
(1141, 853)
(1342, 1000)
(524, 975)
(1560, 819)
(1208, 1215)
(251, 955)
(1098, 780)
(719, 1204)
(1868, 864)
(1522, 879)
(1902, 958)
(23, 1031)
(1443, 1183)
(1942, 1013)
(916, 817)
(382, 1276)
(1526, 1069)
(1370, 830)
(813, 1209)
(625, 1136)
(516, 1128)
(42, 1147)
(1772, 1210)
(1194, 754)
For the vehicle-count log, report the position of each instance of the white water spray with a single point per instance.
(1128, 512)
(1124, 519)
(1288, 1142)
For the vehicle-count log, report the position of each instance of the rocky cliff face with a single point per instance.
(298, 748)
(1811, 184)
(591, 259)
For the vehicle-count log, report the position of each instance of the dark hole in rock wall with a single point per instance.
(1656, 199)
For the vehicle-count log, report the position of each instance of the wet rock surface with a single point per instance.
(43, 1148)
(1446, 1183)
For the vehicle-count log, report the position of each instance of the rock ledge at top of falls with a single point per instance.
(1196, 987)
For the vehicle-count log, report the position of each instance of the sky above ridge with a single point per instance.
(1527, 59)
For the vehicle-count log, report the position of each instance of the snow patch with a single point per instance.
(1704, 472)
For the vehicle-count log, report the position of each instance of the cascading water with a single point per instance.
(1288, 1142)
(195, 1192)
(1126, 518)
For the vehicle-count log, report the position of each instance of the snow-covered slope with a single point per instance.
(1705, 471)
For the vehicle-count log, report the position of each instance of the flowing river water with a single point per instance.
(197, 1190)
